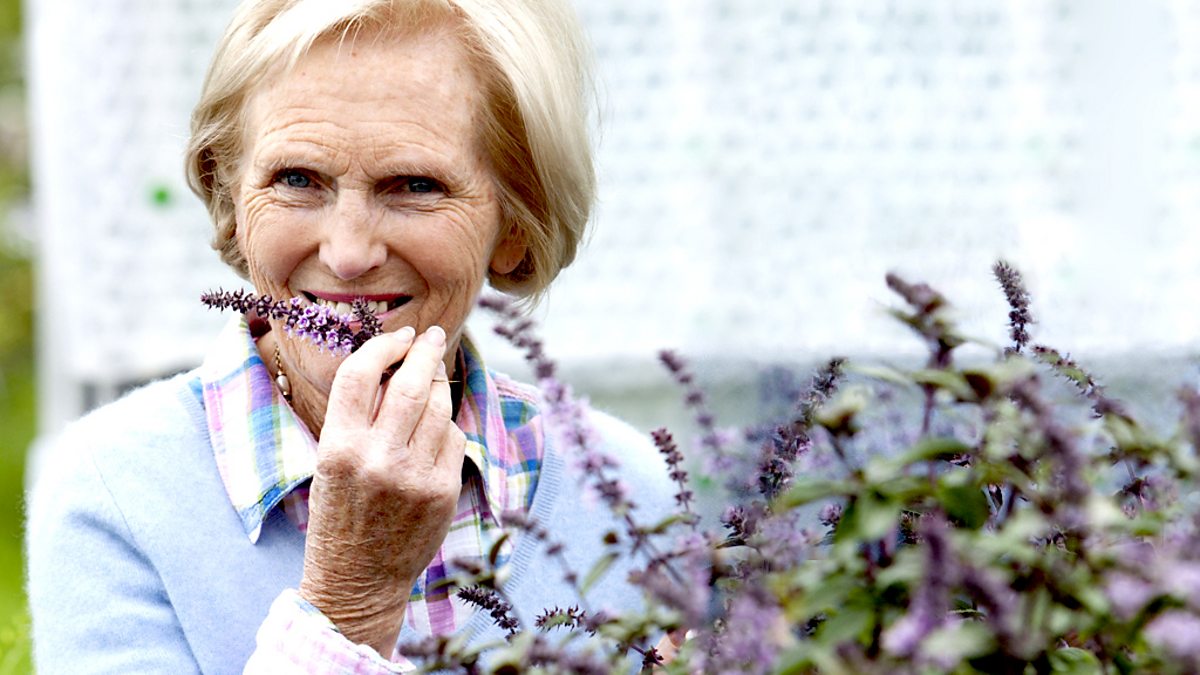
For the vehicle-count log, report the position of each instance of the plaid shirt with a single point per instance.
(266, 457)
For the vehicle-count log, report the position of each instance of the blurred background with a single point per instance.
(18, 412)
(763, 164)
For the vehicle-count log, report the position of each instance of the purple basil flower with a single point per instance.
(831, 515)
(500, 609)
(321, 326)
(670, 452)
(1015, 292)
(1127, 593)
(567, 415)
(1182, 578)
(781, 540)
(931, 601)
(750, 640)
(715, 441)
(1176, 632)
(904, 637)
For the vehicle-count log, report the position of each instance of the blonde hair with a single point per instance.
(531, 59)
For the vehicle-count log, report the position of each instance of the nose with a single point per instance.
(352, 242)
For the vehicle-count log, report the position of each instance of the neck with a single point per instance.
(310, 405)
(307, 402)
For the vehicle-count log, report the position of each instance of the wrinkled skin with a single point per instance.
(386, 487)
(363, 175)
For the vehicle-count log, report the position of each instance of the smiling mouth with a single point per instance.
(378, 304)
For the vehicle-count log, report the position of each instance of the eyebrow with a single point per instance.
(275, 158)
(398, 166)
(386, 163)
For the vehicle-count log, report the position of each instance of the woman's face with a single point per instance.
(364, 175)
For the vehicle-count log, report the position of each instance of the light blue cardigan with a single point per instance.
(137, 562)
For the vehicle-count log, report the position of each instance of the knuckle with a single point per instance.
(377, 471)
(351, 378)
(409, 392)
(452, 488)
(439, 410)
(337, 462)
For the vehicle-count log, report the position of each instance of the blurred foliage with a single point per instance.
(10, 19)
(14, 174)
(18, 412)
(16, 314)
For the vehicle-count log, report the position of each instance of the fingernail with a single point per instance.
(436, 335)
(406, 333)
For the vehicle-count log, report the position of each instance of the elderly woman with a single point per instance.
(279, 509)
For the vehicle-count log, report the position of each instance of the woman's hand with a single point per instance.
(388, 477)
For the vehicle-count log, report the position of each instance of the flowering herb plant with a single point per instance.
(1004, 515)
(320, 325)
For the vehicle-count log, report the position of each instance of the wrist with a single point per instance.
(373, 620)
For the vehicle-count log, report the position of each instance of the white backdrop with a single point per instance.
(763, 164)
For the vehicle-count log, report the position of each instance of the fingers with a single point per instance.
(436, 429)
(412, 409)
(356, 385)
(411, 393)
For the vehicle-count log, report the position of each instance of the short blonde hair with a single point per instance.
(531, 59)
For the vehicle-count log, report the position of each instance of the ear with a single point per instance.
(508, 253)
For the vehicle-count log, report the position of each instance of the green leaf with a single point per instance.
(850, 623)
(981, 382)
(510, 657)
(666, 523)
(948, 380)
(997, 378)
(963, 500)
(829, 592)
(1104, 513)
(598, 570)
(826, 662)
(840, 415)
(1074, 661)
(868, 518)
(881, 373)
(1184, 459)
(796, 660)
(959, 642)
(907, 569)
(1059, 619)
(1026, 524)
(808, 490)
(1093, 599)
(904, 489)
(934, 448)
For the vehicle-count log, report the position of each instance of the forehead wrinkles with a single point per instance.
(349, 78)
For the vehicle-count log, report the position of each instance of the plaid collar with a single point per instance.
(264, 452)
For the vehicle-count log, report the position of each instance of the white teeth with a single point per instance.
(378, 307)
(335, 307)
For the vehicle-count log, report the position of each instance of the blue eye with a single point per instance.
(422, 185)
(293, 178)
